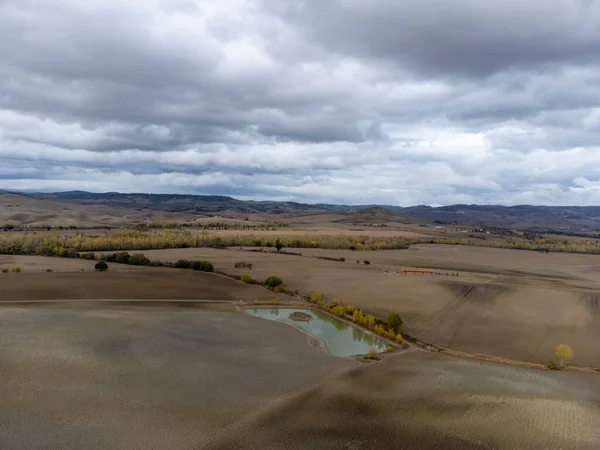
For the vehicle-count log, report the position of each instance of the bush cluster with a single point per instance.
(273, 281)
(329, 258)
(101, 266)
(202, 266)
(139, 259)
(243, 265)
(249, 280)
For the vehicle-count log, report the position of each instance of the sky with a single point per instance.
(398, 102)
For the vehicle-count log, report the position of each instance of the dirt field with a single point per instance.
(68, 282)
(113, 376)
(508, 303)
(123, 376)
(426, 401)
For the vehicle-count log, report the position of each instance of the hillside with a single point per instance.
(586, 218)
(118, 208)
(375, 215)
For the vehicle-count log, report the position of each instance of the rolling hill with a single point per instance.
(119, 208)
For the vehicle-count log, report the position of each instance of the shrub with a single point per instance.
(4, 270)
(404, 344)
(275, 301)
(278, 245)
(242, 265)
(101, 266)
(379, 330)
(390, 334)
(352, 248)
(183, 264)
(246, 279)
(562, 354)
(319, 299)
(203, 266)
(255, 302)
(139, 259)
(121, 257)
(389, 349)
(156, 263)
(394, 321)
(339, 311)
(399, 339)
(330, 258)
(370, 321)
(553, 365)
(273, 281)
(91, 256)
(372, 354)
(316, 297)
(16, 270)
(366, 263)
(350, 309)
(50, 270)
(357, 316)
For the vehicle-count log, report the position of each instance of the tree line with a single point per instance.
(134, 240)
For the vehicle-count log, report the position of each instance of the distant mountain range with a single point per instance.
(582, 218)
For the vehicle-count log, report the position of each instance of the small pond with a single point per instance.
(341, 339)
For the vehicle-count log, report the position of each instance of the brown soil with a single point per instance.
(512, 304)
(100, 376)
(124, 375)
(424, 401)
(66, 282)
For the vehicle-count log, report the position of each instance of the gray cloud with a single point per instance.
(469, 37)
(339, 101)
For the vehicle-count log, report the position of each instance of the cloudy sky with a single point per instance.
(348, 101)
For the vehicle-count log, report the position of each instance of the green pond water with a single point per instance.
(341, 339)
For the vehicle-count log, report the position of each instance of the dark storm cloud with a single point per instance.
(362, 102)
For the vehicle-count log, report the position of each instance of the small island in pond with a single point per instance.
(300, 316)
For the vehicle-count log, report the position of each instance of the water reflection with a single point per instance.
(338, 324)
(342, 339)
(357, 335)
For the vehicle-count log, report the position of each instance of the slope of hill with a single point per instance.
(520, 217)
(574, 218)
(22, 209)
(375, 215)
(25, 210)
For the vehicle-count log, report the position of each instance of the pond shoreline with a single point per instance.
(325, 331)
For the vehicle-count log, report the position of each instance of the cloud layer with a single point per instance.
(406, 102)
